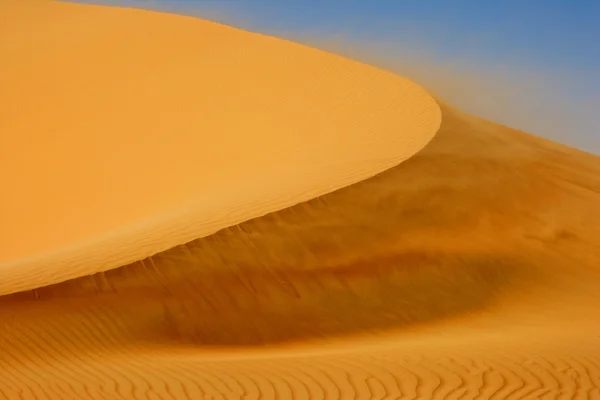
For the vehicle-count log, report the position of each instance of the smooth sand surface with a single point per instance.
(128, 132)
(469, 271)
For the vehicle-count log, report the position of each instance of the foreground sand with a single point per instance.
(469, 271)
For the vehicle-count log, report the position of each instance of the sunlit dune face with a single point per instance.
(121, 125)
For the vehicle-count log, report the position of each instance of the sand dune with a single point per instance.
(118, 143)
(468, 271)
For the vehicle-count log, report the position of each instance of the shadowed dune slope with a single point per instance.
(127, 132)
(470, 271)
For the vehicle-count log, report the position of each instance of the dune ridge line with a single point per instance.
(135, 141)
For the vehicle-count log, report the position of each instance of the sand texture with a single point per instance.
(453, 263)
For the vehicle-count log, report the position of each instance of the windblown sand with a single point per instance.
(295, 225)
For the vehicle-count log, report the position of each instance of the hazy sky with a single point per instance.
(530, 64)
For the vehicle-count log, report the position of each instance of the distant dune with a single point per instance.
(295, 225)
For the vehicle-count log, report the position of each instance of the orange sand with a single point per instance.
(469, 271)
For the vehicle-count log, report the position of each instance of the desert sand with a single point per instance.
(357, 240)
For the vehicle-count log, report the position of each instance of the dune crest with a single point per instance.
(128, 132)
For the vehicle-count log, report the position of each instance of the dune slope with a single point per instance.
(127, 132)
(470, 271)
(467, 265)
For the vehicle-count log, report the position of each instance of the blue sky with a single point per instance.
(530, 64)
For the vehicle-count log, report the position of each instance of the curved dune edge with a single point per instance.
(73, 213)
(471, 271)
